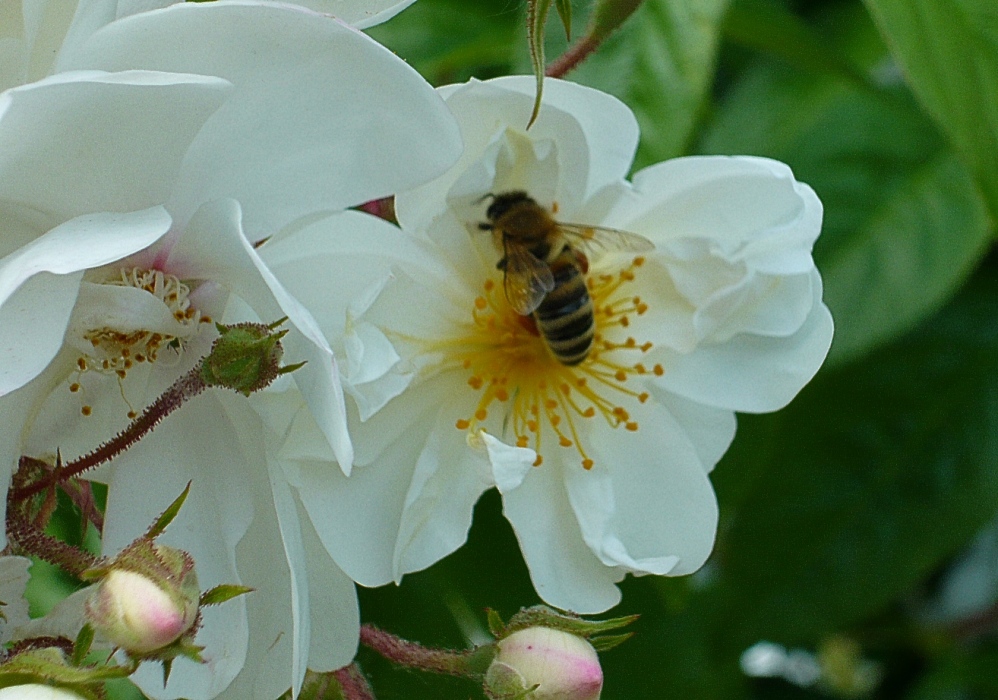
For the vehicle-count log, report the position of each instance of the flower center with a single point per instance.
(117, 351)
(510, 364)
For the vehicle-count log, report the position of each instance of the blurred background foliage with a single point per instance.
(850, 520)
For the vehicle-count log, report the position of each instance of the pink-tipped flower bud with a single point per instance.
(34, 691)
(136, 614)
(561, 665)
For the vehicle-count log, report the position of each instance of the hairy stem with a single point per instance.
(353, 683)
(412, 655)
(185, 388)
(575, 55)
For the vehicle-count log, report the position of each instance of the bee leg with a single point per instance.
(484, 226)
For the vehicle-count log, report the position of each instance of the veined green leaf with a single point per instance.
(948, 50)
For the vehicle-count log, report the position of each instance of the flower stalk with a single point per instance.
(464, 664)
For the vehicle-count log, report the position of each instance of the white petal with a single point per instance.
(449, 477)
(416, 466)
(279, 145)
(647, 505)
(86, 142)
(710, 430)
(13, 578)
(750, 209)
(333, 606)
(35, 306)
(214, 248)
(752, 373)
(565, 572)
(360, 13)
(593, 134)
(510, 464)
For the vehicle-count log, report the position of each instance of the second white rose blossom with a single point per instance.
(603, 466)
(134, 184)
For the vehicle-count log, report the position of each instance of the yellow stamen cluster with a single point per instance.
(116, 351)
(509, 363)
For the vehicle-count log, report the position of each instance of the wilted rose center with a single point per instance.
(510, 364)
(117, 351)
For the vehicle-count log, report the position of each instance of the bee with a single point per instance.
(544, 263)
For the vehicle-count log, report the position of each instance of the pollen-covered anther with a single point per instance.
(115, 349)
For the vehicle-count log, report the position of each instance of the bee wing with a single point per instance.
(596, 240)
(528, 280)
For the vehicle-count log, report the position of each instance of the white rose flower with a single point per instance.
(603, 465)
(134, 184)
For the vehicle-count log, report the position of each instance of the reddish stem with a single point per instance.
(576, 54)
(412, 655)
(353, 683)
(185, 388)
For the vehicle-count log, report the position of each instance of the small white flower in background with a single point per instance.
(602, 465)
(135, 182)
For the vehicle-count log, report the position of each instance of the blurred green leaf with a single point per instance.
(960, 676)
(903, 225)
(452, 40)
(878, 473)
(949, 52)
(661, 64)
(770, 27)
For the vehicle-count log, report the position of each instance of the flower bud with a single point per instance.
(138, 615)
(245, 358)
(561, 665)
(34, 691)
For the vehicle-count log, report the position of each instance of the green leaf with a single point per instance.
(878, 473)
(661, 64)
(903, 222)
(452, 40)
(770, 27)
(948, 50)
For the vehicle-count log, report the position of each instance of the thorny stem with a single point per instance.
(353, 683)
(576, 54)
(185, 388)
(31, 539)
(415, 656)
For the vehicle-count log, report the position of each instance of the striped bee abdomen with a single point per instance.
(565, 317)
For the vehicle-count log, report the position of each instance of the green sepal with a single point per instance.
(537, 15)
(81, 647)
(609, 641)
(222, 593)
(496, 626)
(157, 528)
(564, 8)
(543, 616)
